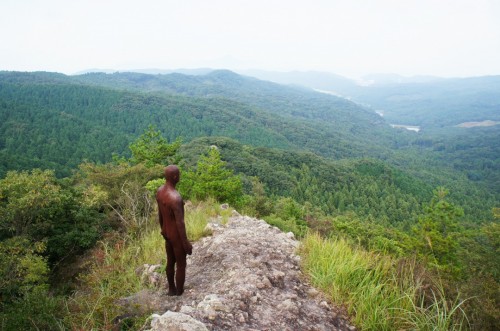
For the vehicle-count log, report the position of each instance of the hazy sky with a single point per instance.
(348, 37)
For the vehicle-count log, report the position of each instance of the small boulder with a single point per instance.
(176, 322)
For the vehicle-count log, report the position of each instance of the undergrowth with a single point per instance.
(112, 276)
(375, 292)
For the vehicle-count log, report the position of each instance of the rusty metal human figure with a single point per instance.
(173, 229)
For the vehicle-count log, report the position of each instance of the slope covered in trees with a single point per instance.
(367, 202)
(435, 104)
(298, 158)
(430, 102)
(55, 121)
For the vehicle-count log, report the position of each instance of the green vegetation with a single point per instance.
(71, 190)
(151, 148)
(47, 223)
(212, 180)
(380, 292)
(434, 104)
(46, 216)
(111, 274)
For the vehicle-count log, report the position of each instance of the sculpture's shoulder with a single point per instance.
(160, 192)
(175, 196)
(168, 196)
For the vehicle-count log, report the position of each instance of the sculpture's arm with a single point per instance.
(178, 209)
(160, 217)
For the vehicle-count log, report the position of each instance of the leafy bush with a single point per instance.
(287, 225)
(152, 149)
(37, 310)
(22, 268)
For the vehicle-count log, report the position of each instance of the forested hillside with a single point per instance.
(297, 158)
(441, 153)
(53, 121)
(435, 104)
(325, 117)
(429, 102)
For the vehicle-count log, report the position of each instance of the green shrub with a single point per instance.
(36, 310)
(287, 225)
(211, 180)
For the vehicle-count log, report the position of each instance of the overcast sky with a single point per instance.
(348, 37)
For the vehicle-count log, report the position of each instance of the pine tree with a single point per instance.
(213, 179)
(437, 232)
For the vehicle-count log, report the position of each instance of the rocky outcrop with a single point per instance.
(246, 276)
(172, 321)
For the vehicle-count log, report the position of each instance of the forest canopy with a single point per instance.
(82, 156)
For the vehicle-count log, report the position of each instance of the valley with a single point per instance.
(299, 159)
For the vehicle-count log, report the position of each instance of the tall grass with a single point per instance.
(197, 217)
(374, 292)
(438, 315)
(111, 274)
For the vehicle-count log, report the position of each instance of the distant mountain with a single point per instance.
(87, 71)
(193, 72)
(312, 79)
(50, 120)
(435, 104)
(150, 71)
(426, 101)
(337, 117)
(386, 79)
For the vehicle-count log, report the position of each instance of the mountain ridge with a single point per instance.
(33, 100)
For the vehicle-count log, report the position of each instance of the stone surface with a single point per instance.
(172, 321)
(150, 276)
(247, 276)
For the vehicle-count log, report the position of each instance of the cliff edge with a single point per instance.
(246, 276)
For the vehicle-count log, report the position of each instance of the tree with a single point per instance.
(27, 202)
(22, 268)
(213, 179)
(437, 232)
(151, 148)
(259, 202)
(36, 206)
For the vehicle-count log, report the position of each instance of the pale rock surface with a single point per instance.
(172, 321)
(246, 276)
(150, 275)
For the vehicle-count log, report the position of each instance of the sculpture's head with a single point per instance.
(172, 174)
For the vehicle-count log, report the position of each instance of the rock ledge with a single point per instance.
(246, 276)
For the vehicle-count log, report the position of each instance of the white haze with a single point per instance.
(351, 38)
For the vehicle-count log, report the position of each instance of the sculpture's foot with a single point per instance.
(172, 292)
(180, 291)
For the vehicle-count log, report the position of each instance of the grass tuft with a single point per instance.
(376, 294)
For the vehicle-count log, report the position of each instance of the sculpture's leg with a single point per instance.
(170, 268)
(180, 273)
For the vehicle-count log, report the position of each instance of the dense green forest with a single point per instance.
(436, 104)
(80, 156)
(38, 113)
(426, 101)
(52, 121)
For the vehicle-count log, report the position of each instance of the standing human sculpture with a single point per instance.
(173, 230)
